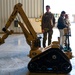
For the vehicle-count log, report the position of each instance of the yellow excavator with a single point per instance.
(50, 59)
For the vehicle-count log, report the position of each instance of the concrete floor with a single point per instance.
(14, 59)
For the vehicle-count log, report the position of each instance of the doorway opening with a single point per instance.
(59, 5)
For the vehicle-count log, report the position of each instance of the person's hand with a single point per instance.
(43, 31)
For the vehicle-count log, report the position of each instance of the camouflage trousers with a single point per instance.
(45, 37)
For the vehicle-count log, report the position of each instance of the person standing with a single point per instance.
(61, 25)
(68, 29)
(47, 23)
(67, 21)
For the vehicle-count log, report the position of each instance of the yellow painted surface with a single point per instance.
(36, 25)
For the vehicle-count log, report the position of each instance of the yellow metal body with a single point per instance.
(29, 33)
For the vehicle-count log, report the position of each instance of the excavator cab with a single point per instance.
(50, 59)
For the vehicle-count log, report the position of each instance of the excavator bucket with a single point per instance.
(52, 60)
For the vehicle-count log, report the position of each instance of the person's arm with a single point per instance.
(53, 21)
(42, 23)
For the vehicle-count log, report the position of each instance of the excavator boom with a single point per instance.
(29, 32)
(18, 9)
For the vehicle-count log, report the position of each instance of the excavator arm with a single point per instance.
(29, 33)
(18, 9)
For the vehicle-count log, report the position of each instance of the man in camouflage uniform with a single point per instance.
(48, 22)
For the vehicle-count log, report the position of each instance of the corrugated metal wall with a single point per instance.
(32, 8)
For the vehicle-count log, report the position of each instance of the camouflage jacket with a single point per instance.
(48, 21)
